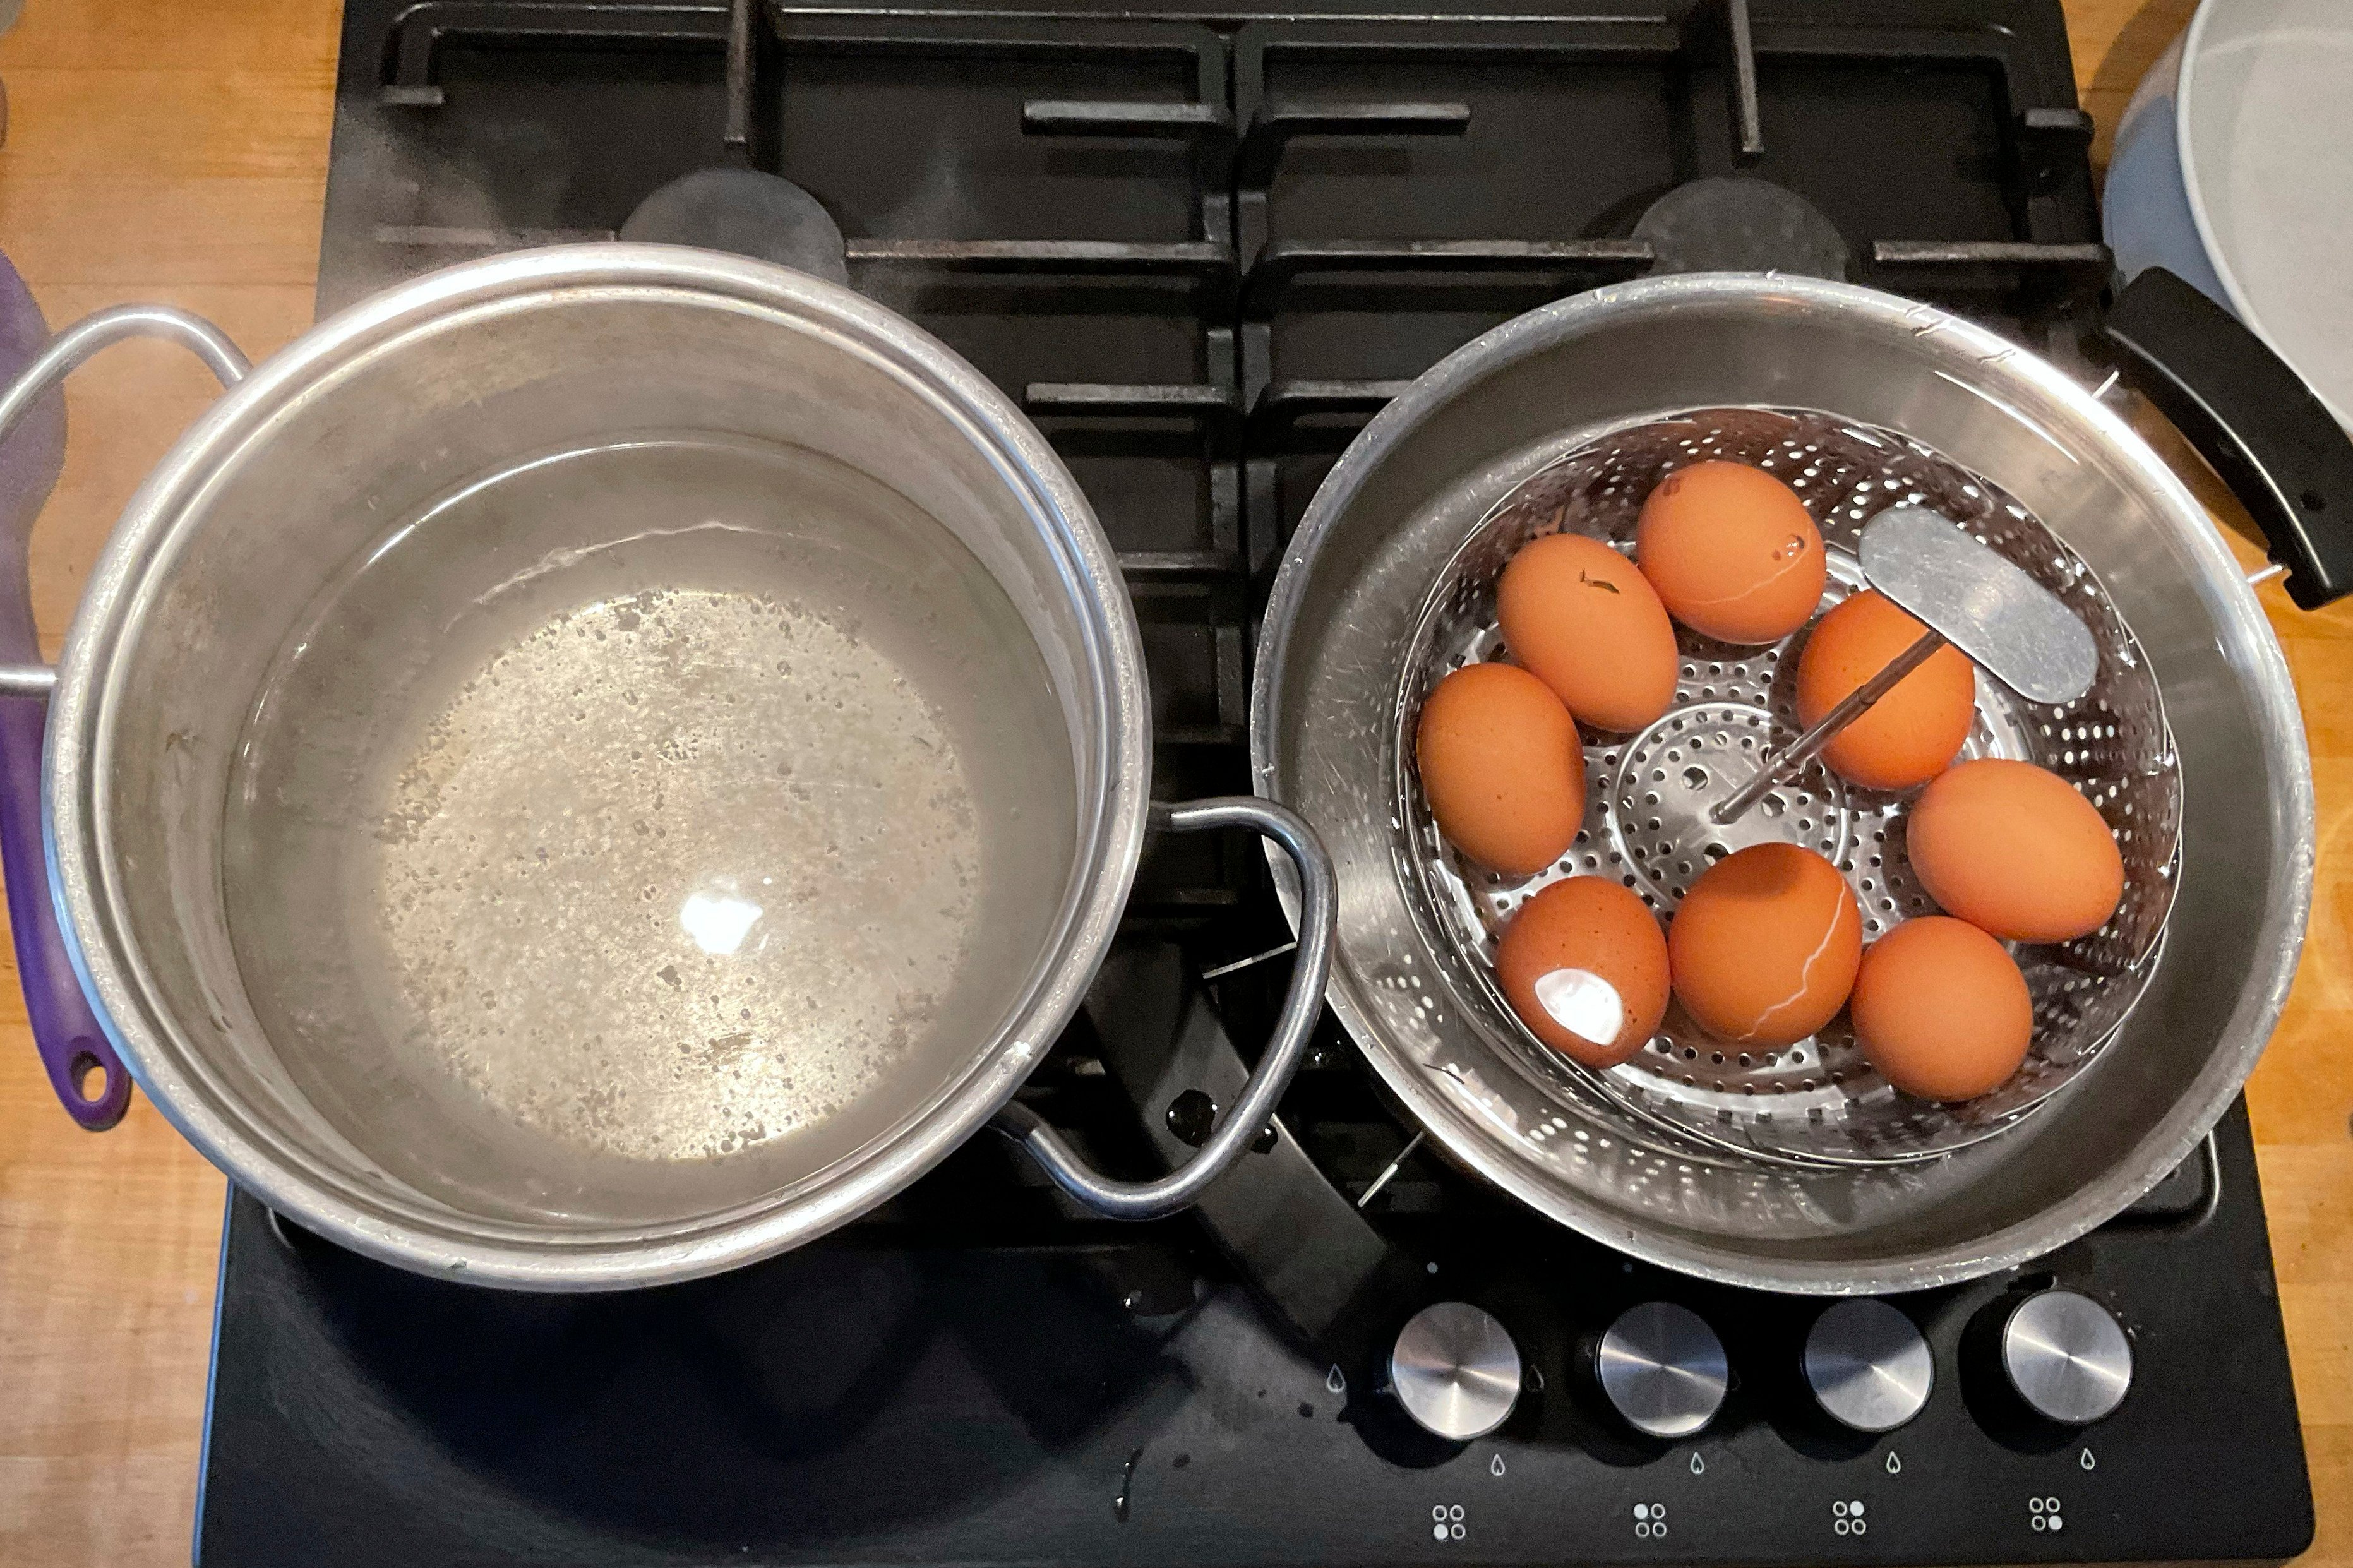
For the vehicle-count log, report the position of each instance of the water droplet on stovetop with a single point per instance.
(1126, 1483)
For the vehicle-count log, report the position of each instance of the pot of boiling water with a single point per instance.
(589, 768)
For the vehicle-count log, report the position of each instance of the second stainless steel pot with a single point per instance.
(1325, 736)
(504, 426)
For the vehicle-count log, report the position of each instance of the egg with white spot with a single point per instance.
(1584, 964)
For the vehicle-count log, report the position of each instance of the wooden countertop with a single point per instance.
(178, 152)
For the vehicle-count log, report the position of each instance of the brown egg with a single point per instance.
(1732, 552)
(1941, 1010)
(1583, 620)
(1763, 949)
(1908, 736)
(2012, 848)
(1502, 767)
(1585, 966)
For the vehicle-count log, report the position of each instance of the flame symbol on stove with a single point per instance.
(1894, 1465)
(2088, 1462)
(1497, 1468)
(1699, 1466)
(1334, 1380)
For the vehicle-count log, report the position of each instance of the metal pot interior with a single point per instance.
(1419, 481)
(343, 539)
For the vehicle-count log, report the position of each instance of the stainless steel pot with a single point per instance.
(1416, 485)
(367, 419)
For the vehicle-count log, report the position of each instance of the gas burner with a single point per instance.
(748, 212)
(1734, 223)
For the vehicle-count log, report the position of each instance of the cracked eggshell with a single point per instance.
(1732, 552)
(1764, 947)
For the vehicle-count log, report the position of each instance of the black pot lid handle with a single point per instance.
(2269, 436)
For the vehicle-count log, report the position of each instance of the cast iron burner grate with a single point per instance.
(1203, 243)
(1255, 224)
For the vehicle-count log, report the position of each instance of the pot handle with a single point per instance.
(2271, 440)
(65, 1025)
(1293, 1027)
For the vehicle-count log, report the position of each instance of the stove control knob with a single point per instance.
(1868, 1366)
(2066, 1357)
(1455, 1371)
(1663, 1368)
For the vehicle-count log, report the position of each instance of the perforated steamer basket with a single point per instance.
(1649, 794)
(1845, 1186)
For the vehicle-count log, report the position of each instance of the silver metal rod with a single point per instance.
(1373, 1189)
(2269, 571)
(1808, 746)
(26, 679)
(1252, 962)
(1748, 144)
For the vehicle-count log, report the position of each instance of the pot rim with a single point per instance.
(137, 559)
(2219, 583)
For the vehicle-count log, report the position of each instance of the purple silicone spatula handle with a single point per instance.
(74, 1046)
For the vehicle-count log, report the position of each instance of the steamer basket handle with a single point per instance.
(1293, 1027)
(73, 1043)
(2252, 417)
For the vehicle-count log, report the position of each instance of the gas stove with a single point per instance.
(1202, 243)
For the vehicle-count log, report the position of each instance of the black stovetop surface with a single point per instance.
(974, 1379)
(1303, 205)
